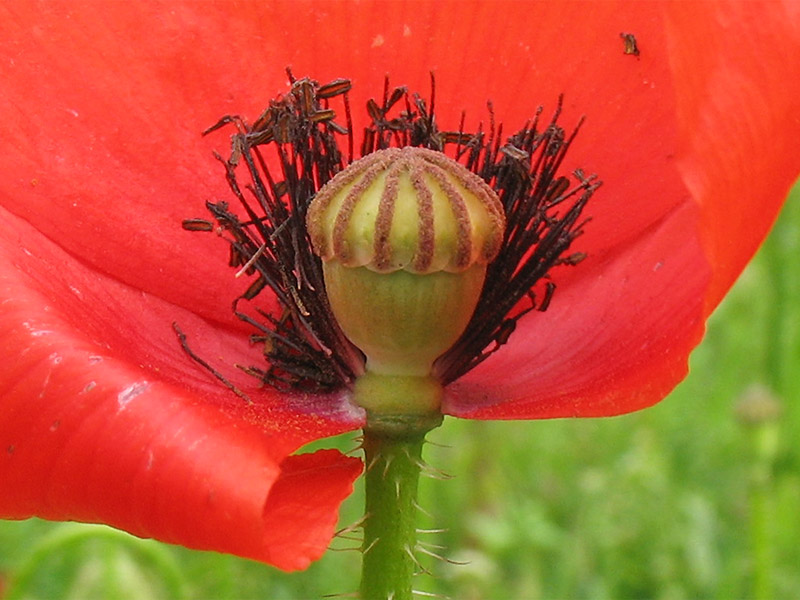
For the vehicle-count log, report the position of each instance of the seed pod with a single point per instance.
(405, 235)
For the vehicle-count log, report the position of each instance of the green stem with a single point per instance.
(393, 459)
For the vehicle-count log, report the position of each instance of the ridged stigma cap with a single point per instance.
(409, 209)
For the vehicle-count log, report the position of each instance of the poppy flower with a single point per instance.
(691, 121)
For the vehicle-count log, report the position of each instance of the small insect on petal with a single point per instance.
(631, 46)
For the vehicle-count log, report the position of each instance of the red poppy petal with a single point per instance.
(131, 88)
(104, 419)
(736, 67)
(103, 109)
(619, 340)
(611, 343)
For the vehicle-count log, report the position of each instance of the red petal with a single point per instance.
(621, 326)
(736, 67)
(611, 342)
(105, 420)
(132, 91)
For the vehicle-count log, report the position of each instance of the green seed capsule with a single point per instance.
(405, 235)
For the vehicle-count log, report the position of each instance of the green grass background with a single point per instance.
(697, 497)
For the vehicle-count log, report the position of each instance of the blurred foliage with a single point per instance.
(696, 497)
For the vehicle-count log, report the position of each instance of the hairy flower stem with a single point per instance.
(393, 460)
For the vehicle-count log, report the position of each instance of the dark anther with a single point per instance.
(197, 225)
(334, 88)
(550, 289)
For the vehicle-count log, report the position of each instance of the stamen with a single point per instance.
(537, 235)
(251, 261)
(185, 345)
(304, 346)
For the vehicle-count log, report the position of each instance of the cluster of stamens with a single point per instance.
(533, 212)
